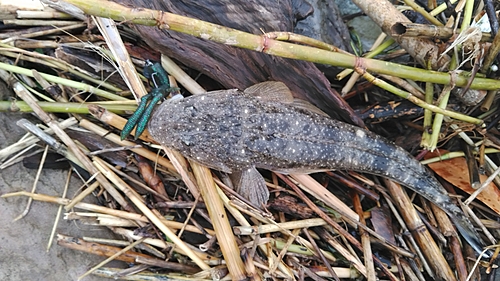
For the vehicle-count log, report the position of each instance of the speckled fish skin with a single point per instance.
(230, 130)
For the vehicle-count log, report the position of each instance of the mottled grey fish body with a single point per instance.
(233, 131)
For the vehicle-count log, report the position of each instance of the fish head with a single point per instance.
(205, 128)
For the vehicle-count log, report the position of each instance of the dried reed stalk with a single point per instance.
(386, 15)
(126, 67)
(335, 225)
(113, 273)
(65, 82)
(268, 228)
(138, 202)
(220, 222)
(116, 139)
(317, 190)
(446, 227)
(235, 212)
(22, 92)
(431, 251)
(365, 240)
(162, 244)
(107, 251)
(426, 31)
(115, 120)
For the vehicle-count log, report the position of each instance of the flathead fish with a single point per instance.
(263, 127)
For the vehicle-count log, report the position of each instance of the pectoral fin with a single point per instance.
(250, 184)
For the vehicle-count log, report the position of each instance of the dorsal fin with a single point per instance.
(302, 104)
(271, 91)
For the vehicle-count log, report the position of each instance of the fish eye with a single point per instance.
(191, 110)
(187, 140)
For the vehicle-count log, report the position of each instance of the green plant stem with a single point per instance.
(13, 52)
(65, 82)
(429, 96)
(422, 11)
(454, 154)
(438, 119)
(469, 7)
(406, 95)
(64, 107)
(441, 8)
(261, 43)
(368, 55)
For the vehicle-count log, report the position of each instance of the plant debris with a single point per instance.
(82, 74)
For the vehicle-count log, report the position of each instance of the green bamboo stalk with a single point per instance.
(64, 107)
(454, 154)
(369, 55)
(489, 112)
(423, 12)
(406, 95)
(249, 41)
(65, 82)
(469, 7)
(438, 119)
(429, 96)
(293, 248)
(441, 8)
(49, 61)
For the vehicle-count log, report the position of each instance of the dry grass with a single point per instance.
(335, 234)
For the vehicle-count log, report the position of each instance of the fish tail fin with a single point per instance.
(468, 232)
